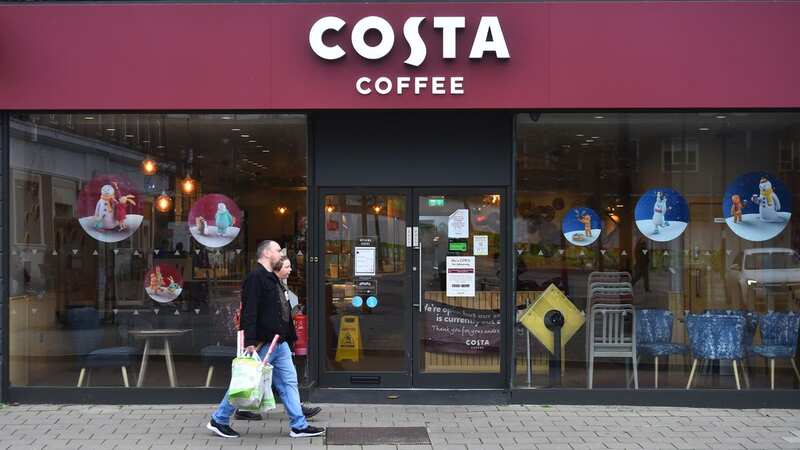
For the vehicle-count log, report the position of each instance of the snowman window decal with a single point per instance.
(215, 220)
(757, 206)
(662, 214)
(108, 208)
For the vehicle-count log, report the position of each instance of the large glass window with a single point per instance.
(675, 229)
(131, 234)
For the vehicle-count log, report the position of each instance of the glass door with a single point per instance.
(458, 288)
(366, 288)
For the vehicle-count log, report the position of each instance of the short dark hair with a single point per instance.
(263, 246)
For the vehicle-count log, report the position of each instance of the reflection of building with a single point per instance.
(319, 167)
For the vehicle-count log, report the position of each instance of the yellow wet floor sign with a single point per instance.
(349, 347)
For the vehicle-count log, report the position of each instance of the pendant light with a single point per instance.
(164, 202)
(149, 167)
(188, 185)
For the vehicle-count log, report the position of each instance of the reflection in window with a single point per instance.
(563, 163)
(90, 225)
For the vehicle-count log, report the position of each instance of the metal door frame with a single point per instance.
(463, 380)
(328, 378)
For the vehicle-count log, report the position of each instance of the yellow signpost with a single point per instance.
(349, 346)
(552, 298)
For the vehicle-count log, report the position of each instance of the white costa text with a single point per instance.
(324, 39)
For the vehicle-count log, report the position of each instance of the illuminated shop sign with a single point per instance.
(488, 38)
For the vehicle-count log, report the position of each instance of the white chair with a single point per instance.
(612, 334)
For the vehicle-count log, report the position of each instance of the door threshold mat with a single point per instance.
(377, 436)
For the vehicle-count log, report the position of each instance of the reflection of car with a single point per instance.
(765, 270)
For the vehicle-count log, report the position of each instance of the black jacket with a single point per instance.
(262, 316)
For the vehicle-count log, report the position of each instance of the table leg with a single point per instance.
(170, 364)
(143, 367)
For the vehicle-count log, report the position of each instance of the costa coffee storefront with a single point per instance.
(482, 202)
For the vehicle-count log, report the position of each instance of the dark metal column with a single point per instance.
(4, 226)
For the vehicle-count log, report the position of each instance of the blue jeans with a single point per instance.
(284, 379)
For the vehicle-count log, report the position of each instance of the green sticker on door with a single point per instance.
(457, 246)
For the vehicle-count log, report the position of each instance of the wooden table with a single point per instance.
(166, 351)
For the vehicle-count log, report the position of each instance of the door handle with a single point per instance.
(419, 246)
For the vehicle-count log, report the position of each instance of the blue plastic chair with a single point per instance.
(716, 337)
(654, 336)
(750, 328)
(778, 340)
(87, 339)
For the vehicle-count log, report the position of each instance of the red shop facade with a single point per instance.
(440, 175)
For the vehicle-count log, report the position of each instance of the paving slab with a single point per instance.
(472, 427)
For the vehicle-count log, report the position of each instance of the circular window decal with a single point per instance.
(215, 220)
(109, 208)
(662, 214)
(757, 206)
(581, 226)
(163, 283)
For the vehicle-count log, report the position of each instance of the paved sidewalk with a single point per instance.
(450, 427)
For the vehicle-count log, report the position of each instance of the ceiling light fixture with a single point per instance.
(188, 185)
(149, 167)
(163, 202)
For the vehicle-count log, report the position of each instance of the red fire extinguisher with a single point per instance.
(301, 327)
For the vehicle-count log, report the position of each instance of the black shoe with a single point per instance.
(311, 412)
(222, 430)
(308, 431)
(247, 415)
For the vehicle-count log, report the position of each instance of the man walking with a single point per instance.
(261, 319)
(281, 269)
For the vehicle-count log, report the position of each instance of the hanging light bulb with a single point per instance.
(163, 202)
(149, 167)
(282, 210)
(188, 185)
(377, 209)
(330, 208)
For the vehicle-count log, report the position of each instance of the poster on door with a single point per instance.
(458, 224)
(450, 329)
(461, 276)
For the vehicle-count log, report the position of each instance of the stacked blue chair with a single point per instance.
(716, 337)
(778, 340)
(654, 336)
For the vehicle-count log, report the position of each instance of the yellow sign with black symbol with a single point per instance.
(349, 346)
(552, 298)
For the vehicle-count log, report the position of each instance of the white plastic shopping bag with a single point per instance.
(246, 388)
(266, 400)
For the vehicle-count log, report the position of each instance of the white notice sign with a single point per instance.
(365, 261)
(461, 276)
(458, 224)
(480, 245)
